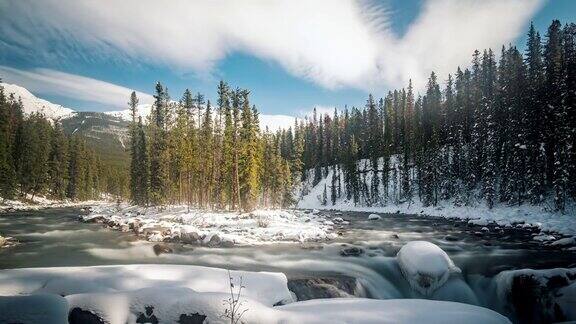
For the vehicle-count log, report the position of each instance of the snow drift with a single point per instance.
(177, 294)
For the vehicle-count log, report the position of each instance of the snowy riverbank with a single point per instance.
(39, 202)
(500, 215)
(177, 294)
(177, 223)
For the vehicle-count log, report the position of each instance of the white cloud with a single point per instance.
(276, 122)
(51, 82)
(333, 43)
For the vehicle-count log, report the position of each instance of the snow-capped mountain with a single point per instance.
(107, 132)
(143, 111)
(34, 104)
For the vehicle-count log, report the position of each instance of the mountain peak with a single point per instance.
(32, 104)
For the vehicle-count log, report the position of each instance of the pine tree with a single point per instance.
(159, 164)
(58, 163)
(143, 166)
(7, 172)
(535, 75)
(134, 172)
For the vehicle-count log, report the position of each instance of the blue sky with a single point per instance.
(291, 55)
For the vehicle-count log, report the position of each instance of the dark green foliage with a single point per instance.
(37, 157)
(498, 133)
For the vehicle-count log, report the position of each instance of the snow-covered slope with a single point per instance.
(34, 104)
(311, 197)
(143, 111)
(273, 122)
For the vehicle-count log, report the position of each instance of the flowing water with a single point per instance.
(360, 262)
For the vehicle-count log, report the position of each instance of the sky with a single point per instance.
(292, 55)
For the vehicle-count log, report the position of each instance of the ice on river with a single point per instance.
(175, 293)
(425, 266)
(215, 228)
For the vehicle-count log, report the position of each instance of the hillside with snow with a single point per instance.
(32, 104)
(272, 122)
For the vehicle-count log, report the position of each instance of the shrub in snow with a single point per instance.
(374, 217)
(263, 221)
(425, 266)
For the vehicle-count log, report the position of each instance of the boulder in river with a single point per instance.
(161, 248)
(189, 237)
(332, 287)
(80, 316)
(425, 266)
(215, 240)
(538, 296)
(195, 318)
(352, 251)
(374, 217)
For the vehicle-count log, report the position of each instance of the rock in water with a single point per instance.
(161, 248)
(374, 217)
(80, 316)
(352, 251)
(425, 266)
(195, 318)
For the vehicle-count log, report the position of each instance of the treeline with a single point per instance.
(495, 132)
(38, 158)
(212, 157)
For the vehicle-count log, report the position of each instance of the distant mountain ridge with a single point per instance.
(32, 104)
(106, 132)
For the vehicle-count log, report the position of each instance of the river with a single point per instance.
(360, 262)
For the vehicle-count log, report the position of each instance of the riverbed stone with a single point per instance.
(161, 248)
(451, 238)
(331, 287)
(189, 237)
(215, 240)
(352, 251)
(195, 318)
(80, 316)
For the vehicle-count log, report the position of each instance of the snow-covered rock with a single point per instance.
(478, 222)
(374, 217)
(268, 288)
(544, 238)
(361, 310)
(178, 294)
(425, 266)
(222, 229)
(537, 296)
(7, 241)
(565, 241)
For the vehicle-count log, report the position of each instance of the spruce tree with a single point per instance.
(159, 177)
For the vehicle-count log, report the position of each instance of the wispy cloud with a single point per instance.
(51, 82)
(333, 43)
